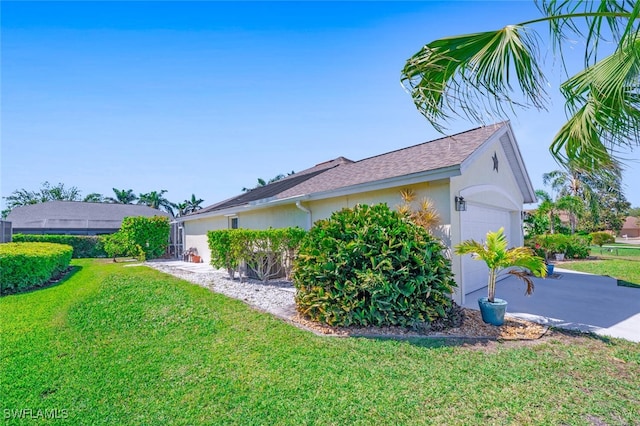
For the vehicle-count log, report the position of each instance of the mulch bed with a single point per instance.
(471, 327)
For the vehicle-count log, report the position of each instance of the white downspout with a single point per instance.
(307, 211)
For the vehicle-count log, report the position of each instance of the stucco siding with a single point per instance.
(195, 234)
(438, 192)
(275, 217)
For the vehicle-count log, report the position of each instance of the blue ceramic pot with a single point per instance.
(492, 312)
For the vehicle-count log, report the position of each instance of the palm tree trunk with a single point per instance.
(492, 285)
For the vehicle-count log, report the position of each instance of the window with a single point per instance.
(234, 223)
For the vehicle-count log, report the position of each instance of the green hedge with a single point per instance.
(83, 245)
(140, 237)
(25, 265)
(265, 254)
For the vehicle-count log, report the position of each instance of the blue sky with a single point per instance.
(205, 97)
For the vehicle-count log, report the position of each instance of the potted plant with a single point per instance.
(517, 261)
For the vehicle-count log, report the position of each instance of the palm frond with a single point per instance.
(524, 276)
(605, 102)
(459, 74)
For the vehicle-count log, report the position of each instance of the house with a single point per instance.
(477, 180)
(74, 217)
(631, 227)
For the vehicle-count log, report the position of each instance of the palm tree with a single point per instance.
(156, 200)
(262, 182)
(194, 204)
(493, 72)
(182, 208)
(123, 196)
(517, 261)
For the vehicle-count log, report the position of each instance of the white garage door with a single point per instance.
(475, 223)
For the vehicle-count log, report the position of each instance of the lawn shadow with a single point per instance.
(489, 344)
(53, 282)
(623, 283)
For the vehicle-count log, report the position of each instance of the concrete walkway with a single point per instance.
(573, 300)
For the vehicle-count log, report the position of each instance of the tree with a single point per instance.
(59, 192)
(495, 72)
(194, 204)
(551, 208)
(94, 197)
(262, 182)
(517, 261)
(634, 211)
(122, 196)
(188, 206)
(156, 200)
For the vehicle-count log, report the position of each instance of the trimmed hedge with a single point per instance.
(83, 245)
(372, 266)
(25, 265)
(265, 253)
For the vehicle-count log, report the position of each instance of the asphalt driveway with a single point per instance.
(573, 300)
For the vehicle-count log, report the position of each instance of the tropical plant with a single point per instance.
(194, 204)
(156, 200)
(262, 182)
(552, 208)
(424, 214)
(371, 266)
(497, 71)
(517, 261)
(122, 196)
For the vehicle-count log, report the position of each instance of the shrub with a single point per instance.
(267, 253)
(83, 245)
(602, 238)
(573, 246)
(578, 247)
(140, 237)
(372, 266)
(25, 265)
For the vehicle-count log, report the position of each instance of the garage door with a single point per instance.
(475, 223)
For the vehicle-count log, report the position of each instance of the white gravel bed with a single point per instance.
(274, 297)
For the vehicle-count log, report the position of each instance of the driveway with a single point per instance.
(573, 300)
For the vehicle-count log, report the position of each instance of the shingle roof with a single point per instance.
(437, 154)
(275, 188)
(339, 173)
(76, 215)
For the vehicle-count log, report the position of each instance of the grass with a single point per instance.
(626, 271)
(129, 345)
(617, 251)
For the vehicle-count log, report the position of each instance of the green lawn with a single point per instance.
(132, 346)
(626, 270)
(616, 251)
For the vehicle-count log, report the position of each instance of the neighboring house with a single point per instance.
(74, 217)
(631, 227)
(482, 166)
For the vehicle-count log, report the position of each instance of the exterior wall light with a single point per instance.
(461, 204)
